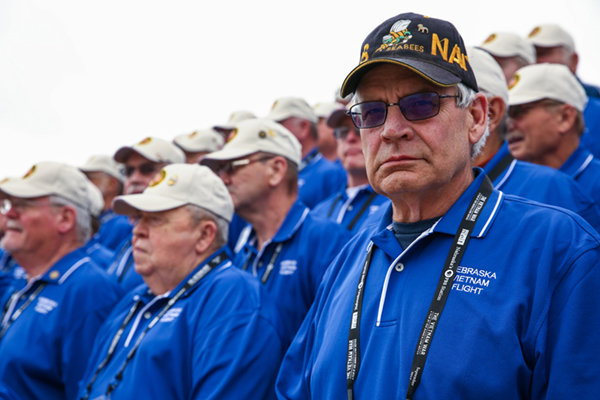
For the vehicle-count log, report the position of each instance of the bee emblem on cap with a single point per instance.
(158, 178)
(399, 34)
(30, 172)
(146, 141)
(233, 134)
(514, 81)
(534, 32)
(490, 38)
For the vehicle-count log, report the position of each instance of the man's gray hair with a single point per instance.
(466, 96)
(198, 214)
(83, 220)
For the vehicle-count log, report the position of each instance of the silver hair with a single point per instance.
(466, 96)
(83, 219)
(198, 214)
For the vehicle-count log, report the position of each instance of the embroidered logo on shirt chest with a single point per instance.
(171, 315)
(288, 267)
(473, 280)
(45, 305)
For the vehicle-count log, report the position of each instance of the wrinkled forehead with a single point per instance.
(389, 79)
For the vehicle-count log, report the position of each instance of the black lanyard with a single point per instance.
(269, 267)
(362, 210)
(197, 277)
(115, 264)
(500, 167)
(17, 314)
(461, 239)
(304, 163)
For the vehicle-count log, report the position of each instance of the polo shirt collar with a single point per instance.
(65, 267)
(577, 162)
(292, 222)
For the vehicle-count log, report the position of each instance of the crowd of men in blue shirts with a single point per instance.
(317, 252)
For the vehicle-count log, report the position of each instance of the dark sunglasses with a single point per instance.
(145, 169)
(414, 107)
(343, 131)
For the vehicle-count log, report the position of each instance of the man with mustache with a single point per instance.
(459, 290)
(142, 162)
(50, 318)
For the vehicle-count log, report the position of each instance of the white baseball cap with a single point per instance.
(52, 178)
(104, 163)
(96, 199)
(202, 140)
(235, 118)
(546, 81)
(177, 185)
(324, 110)
(154, 149)
(254, 135)
(287, 107)
(506, 44)
(551, 35)
(488, 73)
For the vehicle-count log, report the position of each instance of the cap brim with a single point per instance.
(515, 100)
(18, 188)
(225, 154)
(335, 118)
(130, 204)
(434, 74)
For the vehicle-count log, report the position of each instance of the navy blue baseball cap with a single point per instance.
(431, 47)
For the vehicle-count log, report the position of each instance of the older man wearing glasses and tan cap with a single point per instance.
(459, 291)
(199, 328)
(285, 247)
(142, 162)
(49, 319)
(318, 178)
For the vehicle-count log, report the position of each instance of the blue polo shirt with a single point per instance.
(45, 350)
(308, 244)
(545, 185)
(114, 229)
(517, 323)
(318, 178)
(585, 169)
(352, 211)
(221, 340)
(99, 253)
(591, 135)
(121, 268)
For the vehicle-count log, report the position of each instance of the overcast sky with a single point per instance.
(81, 77)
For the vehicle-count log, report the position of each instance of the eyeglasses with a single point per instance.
(414, 107)
(343, 131)
(145, 169)
(18, 206)
(229, 167)
(519, 110)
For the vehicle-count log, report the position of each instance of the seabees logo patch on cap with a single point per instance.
(145, 141)
(233, 134)
(158, 178)
(514, 81)
(30, 172)
(534, 32)
(490, 38)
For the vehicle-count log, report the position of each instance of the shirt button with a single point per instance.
(399, 267)
(136, 297)
(147, 315)
(350, 208)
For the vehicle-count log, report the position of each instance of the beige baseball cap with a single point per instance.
(154, 149)
(546, 81)
(254, 135)
(507, 44)
(104, 163)
(177, 185)
(337, 116)
(96, 199)
(324, 110)
(287, 107)
(551, 35)
(488, 73)
(52, 178)
(202, 140)
(235, 118)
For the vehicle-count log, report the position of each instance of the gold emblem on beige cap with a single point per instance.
(172, 180)
(29, 173)
(145, 141)
(514, 81)
(490, 38)
(534, 32)
(158, 178)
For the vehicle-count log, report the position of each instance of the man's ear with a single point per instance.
(478, 109)
(67, 219)
(207, 234)
(497, 110)
(277, 170)
(566, 116)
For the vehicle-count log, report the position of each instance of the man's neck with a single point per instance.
(268, 218)
(492, 145)
(307, 147)
(356, 178)
(413, 207)
(557, 158)
(38, 263)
